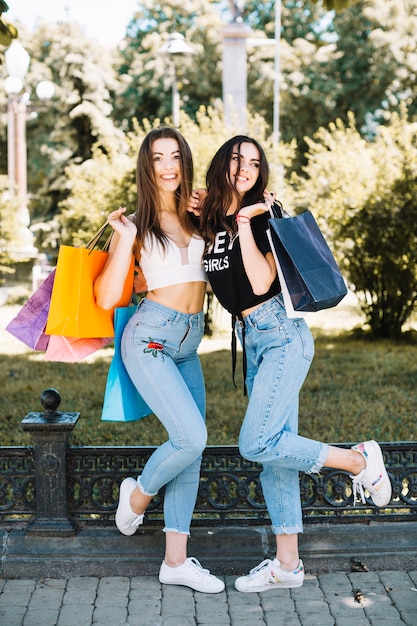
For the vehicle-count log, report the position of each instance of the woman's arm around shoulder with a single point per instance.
(108, 286)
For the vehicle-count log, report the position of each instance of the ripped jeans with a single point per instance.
(279, 352)
(159, 351)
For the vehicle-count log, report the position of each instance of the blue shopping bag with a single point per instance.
(309, 269)
(122, 401)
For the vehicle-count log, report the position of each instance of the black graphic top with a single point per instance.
(224, 267)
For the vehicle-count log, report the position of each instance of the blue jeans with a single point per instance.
(159, 350)
(279, 352)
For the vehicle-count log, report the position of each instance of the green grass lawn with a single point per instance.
(355, 390)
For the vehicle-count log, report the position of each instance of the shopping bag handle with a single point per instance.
(90, 245)
(277, 210)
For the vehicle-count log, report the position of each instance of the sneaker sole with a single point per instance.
(287, 585)
(130, 530)
(385, 478)
(194, 586)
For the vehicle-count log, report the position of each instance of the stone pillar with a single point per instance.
(50, 431)
(235, 73)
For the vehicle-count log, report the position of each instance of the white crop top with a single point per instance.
(174, 265)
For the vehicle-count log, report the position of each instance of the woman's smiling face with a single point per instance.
(244, 167)
(167, 163)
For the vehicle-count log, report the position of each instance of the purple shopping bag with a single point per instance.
(29, 324)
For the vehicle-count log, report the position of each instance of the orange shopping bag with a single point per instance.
(73, 311)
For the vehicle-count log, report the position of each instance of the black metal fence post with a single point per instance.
(50, 430)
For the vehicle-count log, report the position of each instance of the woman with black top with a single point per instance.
(278, 352)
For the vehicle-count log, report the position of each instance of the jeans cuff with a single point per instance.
(142, 490)
(316, 467)
(288, 530)
(175, 530)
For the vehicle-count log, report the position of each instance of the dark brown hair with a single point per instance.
(221, 189)
(148, 200)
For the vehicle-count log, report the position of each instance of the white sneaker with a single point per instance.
(126, 520)
(269, 575)
(374, 477)
(190, 574)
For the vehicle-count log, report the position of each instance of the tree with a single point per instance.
(78, 120)
(364, 197)
(359, 59)
(8, 32)
(145, 74)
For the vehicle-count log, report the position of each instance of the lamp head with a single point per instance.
(17, 60)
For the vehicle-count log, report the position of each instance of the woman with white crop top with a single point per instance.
(159, 344)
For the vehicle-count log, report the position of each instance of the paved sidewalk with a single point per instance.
(386, 598)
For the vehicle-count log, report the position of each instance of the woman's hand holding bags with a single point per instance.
(61, 317)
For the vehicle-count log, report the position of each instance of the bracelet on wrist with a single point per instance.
(242, 219)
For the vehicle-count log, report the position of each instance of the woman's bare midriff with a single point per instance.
(185, 297)
(250, 310)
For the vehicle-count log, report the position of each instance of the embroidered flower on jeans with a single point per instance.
(154, 347)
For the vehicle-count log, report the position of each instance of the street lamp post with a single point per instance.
(17, 65)
(175, 47)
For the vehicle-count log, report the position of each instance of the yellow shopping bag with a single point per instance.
(73, 311)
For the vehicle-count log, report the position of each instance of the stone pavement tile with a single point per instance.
(145, 586)
(177, 601)
(139, 620)
(413, 575)
(314, 613)
(144, 606)
(395, 580)
(12, 615)
(17, 592)
(341, 620)
(278, 600)
(212, 608)
(336, 583)
(110, 616)
(376, 601)
(408, 617)
(210, 620)
(47, 595)
(83, 582)
(276, 618)
(346, 607)
(109, 600)
(176, 620)
(41, 617)
(79, 596)
(401, 589)
(311, 605)
(114, 586)
(2, 583)
(247, 611)
(75, 615)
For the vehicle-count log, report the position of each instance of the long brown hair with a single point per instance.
(148, 201)
(221, 189)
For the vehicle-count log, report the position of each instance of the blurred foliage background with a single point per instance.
(348, 133)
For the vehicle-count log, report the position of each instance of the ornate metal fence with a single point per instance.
(230, 491)
(51, 488)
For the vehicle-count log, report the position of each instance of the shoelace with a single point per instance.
(357, 489)
(198, 565)
(256, 569)
(138, 520)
